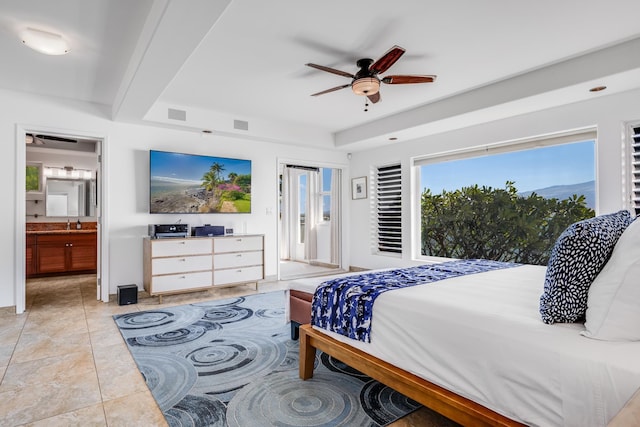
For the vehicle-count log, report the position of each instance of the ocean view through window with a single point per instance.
(509, 206)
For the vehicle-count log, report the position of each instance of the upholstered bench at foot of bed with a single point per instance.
(299, 310)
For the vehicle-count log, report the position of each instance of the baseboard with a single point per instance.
(323, 264)
(8, 311)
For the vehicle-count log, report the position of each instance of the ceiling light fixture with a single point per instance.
(45, 42)
(366, 86)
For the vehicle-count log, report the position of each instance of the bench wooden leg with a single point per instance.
(307, 354)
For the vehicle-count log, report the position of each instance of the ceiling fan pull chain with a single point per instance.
(366, 105)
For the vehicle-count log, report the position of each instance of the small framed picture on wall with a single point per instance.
(359, 188)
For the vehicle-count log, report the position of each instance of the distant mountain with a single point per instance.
(560, 192)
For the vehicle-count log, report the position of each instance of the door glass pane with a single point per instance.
(326, 208)
(326, 179)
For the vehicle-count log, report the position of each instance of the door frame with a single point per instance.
(297, 252)
(344, 210)
(102, 279)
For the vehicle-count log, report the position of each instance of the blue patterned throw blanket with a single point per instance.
(344, 305)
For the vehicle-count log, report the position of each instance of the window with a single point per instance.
(389, 209)
(506, 202)
(634, 147)
(325, 193)
(34, 177)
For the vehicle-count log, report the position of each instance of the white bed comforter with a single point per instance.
(481, 337)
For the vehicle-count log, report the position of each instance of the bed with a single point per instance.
(474, 347)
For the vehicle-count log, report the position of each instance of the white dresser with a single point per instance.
(238, 259)
(177, 265)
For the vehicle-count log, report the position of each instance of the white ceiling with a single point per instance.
(244, 59)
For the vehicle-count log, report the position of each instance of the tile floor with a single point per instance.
(64, 363)
(292, 269)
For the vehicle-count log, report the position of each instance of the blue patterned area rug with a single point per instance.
(232, 363)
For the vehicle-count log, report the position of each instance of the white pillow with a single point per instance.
(613, 303)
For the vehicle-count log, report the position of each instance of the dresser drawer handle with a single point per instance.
(238, 271)
(182, 259)
(183, 277)
(239, 255)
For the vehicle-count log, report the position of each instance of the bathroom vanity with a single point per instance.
(53, 250)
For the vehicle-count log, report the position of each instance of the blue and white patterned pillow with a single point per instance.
(576, 259)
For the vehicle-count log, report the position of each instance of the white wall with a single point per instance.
(127, 148)
(608, 113)
(127, 162)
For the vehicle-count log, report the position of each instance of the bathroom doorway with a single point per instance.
(72, 164)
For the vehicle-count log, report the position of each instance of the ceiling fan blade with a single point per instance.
(374, 98)
(333, 89)
(387, 60)
(401, 80)
(330, 70)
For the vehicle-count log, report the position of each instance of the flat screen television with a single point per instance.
(188, 183)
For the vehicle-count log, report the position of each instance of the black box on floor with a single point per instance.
(127, 294)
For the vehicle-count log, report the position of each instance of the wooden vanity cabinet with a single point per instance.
(82, 253)
(30, 261)
(66, 253)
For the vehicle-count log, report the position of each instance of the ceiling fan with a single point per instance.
(366, 81)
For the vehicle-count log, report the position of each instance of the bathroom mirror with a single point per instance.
(67, 197)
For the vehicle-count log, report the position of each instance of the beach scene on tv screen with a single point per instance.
(188, 183)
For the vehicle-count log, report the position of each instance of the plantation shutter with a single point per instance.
(635, 168)
(389, 208)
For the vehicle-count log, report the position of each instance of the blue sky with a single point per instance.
(326, 179)
(180, 167)
(530, 169)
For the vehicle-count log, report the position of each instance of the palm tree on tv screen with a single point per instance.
(211, 178)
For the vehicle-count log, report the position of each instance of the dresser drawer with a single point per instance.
(238, 259)
(180, 282)
(177, 247)
(237, 275)
(237, 244)
(181, 264)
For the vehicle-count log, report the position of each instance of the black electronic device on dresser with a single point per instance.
(162, 231)
(208, 231)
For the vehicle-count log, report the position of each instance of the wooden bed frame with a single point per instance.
(445, 402)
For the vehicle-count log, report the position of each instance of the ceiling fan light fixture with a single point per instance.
(366, 86)
(45, 42)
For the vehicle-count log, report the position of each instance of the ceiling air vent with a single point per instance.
(174, 114)
(240, 125)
